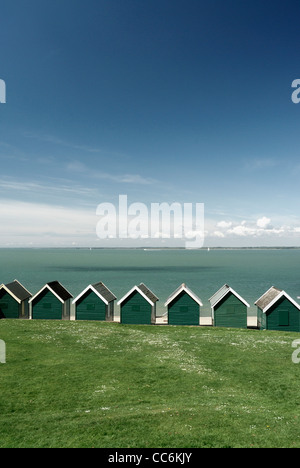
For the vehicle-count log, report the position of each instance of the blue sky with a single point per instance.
(184, 101)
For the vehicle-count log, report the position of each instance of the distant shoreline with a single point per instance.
(150, 248)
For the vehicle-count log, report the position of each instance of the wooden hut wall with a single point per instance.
(136, 310)
(183, 310)
(230, 312)
(91, 307)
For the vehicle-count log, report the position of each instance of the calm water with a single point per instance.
(249, 272)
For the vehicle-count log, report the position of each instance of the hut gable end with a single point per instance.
(96, 302)
(100, 290)
(138, 306)
(229, 309)
(14, 300)
(57, 289)
(18, 291)
(179, 290)
(183, 307)
(271, 297)
(277, 311)
(51, 302)
(223, 292)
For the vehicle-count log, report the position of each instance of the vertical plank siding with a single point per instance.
(290, 313)
(136, 310)
(47, 307)
(230, 312)
(276, 310)
(183, 311)
(90, 307)
(9, 307)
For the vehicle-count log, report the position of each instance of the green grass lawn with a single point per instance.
(88, 384)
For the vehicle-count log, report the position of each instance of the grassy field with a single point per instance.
(85, 384)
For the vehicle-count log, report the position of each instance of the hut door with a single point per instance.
(284, 318)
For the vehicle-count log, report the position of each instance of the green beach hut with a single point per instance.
(138, 306)
(276, 310)
(96, 302)
(229, 309)
(52, 302)
(14, 301)
(183, 307)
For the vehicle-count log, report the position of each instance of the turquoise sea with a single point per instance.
(249, 272)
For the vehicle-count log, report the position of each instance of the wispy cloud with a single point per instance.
(25, 223)
(53, 191)
(257, 164)
(19, 186)
(262, 228)
(59, 141)
(71, 145)
(10, 152)
(79, 167)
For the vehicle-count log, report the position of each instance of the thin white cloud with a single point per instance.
(84, 148)
(79, 167)
(58, 141)
(58, 186)
(219, 234)
(224, 224)
(242, 230)
(41, 224)
(258, 164)
(264, 223)
(44, 224)
(262, 229)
